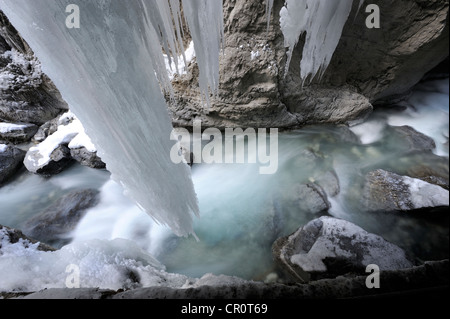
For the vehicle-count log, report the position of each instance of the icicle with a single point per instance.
(106, 71)
(269, 6)
(205, 20)
(323, 22)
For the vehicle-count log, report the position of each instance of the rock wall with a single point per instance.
(27, 95)
(368, 67)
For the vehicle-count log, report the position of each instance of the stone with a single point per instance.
(329, 247)
(11, 160)
(311, 198)
(415, 141)
(87, 158)
(59, 159)
(45, 130)
(17, 132)
(390, 192)
(58, 220)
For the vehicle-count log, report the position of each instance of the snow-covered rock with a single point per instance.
(387, 191)
(17, 132)
(11, 159)
(328, 247)
(60, 148)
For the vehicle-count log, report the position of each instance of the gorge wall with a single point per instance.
(369, 66)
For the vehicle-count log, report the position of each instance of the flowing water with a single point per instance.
(243, 212)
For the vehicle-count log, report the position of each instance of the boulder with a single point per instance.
(15, 236)
(63, 141)
(328, 247)
(87, 158)
(414, 140)
(17, 132)
(11, 160)
(59, 219)
(311, 198)
(389, 192)
(53, 164)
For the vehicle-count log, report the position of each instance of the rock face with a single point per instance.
(386, 191)
(59, 219)
(14, 236)
(254, 91)
(328, 247)
(11, 159)
(26, 94)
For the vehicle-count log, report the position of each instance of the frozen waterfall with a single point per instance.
(110, 70)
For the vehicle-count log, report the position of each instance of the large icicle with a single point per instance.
(323, 22)
(205, 20)
(106, 71)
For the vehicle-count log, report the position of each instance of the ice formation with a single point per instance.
(111, 70)
(323, 22)
(205, 20)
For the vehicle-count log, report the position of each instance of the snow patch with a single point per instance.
(424, 194)
(3, 148)
(9, 127)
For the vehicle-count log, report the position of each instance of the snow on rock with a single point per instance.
(103, 264)
(117, 264)
(328, 247)
(387, 191)
(17, 132)
(70, 135)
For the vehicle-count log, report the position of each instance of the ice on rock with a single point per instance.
(323, 22)
(269, 6)
(106, 71)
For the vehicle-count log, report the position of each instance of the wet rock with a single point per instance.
(328, 247)
(58, 220)
(311, 198)
(414, 140)
(17, 132)
(11, 160)
(386, 191)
